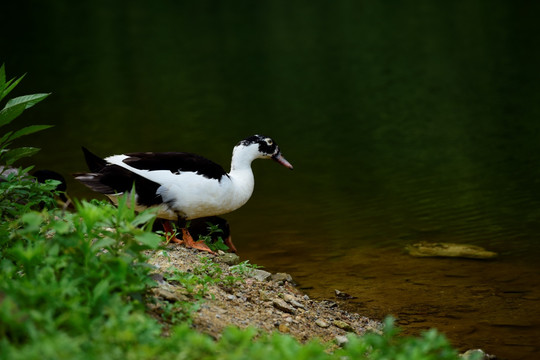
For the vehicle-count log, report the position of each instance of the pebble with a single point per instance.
(282, 277)
(264, 295)
(343, 325)
(322, 323)
(287, 297)
(172, 296)
(260, 275)
(229, 259)
(284, 328)
(231, 297)
(297, 304)
(283, 306)
(342, 295)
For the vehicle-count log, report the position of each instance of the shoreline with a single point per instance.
(268, 302)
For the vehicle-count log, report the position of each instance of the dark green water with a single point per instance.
(405, 123)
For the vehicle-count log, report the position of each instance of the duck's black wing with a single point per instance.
(176, 162)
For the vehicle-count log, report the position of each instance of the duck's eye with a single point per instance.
(269, 141)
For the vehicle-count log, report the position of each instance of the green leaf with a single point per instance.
(32, 220)
(149, 239)
(2, 77)
(27, 131)
(103, 243)
(5, 137)
(12, 155)
(7, 87)
(100, 289)
(143, 218)
(27, 100)
(8, 114)
(61, 227)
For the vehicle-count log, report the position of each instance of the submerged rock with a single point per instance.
(477, 354)
(425, 249)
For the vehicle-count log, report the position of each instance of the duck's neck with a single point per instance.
(241, 174)
(242, 157)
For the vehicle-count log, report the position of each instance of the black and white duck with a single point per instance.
(182, 186)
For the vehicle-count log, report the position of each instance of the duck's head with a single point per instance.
(262, 147)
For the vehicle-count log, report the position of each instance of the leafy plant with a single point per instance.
(20, 193)
(217, 244)
(244, 268)
(10, 112)
(72, 272)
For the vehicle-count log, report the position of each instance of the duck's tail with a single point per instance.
(94, 162)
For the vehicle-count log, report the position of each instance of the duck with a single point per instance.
(181, 186)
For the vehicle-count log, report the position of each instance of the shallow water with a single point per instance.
(404, 124)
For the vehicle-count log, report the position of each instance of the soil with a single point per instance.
(269, 302)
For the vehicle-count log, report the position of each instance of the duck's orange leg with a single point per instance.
(170, 233)
(190, 243)
(230, 245)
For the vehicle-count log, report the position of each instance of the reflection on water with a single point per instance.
(403, 124)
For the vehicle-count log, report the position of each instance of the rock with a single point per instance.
(282, 277)
(283, 306)
(322, 323)
(263, 295)
(425, 249)
(343, 325)
(158, 278)
(171, 296)
(287, 297)
(329, 303)
(260, 275)
(342, 295)
(229, 259)
(284, 328)
(477, 354)
(296, 304)
(341, 340)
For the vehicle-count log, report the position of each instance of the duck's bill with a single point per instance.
(280, 159)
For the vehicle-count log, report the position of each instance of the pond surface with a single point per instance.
(404, 124)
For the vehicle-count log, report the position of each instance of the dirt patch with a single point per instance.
(269, 303)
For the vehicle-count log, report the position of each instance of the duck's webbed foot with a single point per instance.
(190, 243)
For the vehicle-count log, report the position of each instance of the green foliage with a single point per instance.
(219, 244)
(72, 286)
(72, 273)
(244, 268)
(20, 193)
(10, 112)
(388, 345)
